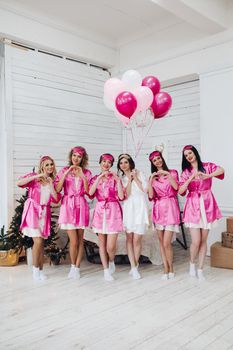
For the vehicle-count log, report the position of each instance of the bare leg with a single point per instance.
(167, 244)
(137, 246)
(41, 261)
(37, 251)
(162, 250)
(103, 250)
(111, 246)
(73, 237)
(194, 247)
(80, 234)
(203, 247)
(130, 250)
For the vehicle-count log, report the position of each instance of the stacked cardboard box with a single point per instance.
(221, 256)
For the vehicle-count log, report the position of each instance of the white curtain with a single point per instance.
(3, 158)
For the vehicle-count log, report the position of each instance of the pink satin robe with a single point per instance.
(32, 210)
(197, 188)
(165, 203)
(108, 201)
(74, 207)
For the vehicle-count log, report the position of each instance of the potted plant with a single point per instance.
(9, 253)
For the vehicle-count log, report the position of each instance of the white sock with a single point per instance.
(171, 275)
(164, 277)
(192, 269)
(112, 267)
(42, 275)
(36, 273)
(77, 272)
(200, 275)
(135, 274)
(71, 273)
(107, 275)
(132, 267)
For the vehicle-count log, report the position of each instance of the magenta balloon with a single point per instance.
(161, 104)
(126, 104)
(152, 83)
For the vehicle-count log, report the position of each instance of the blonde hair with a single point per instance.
(41, 165)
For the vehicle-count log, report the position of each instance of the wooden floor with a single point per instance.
(124, 314)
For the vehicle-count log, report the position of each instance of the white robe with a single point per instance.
(135, 211)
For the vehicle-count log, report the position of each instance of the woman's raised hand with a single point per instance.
(203, 176)
(163, 172)
(103, 174)
(153, 176)
(115, 176)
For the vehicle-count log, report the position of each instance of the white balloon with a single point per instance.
(132, 79)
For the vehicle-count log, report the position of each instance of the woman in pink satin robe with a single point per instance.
(74, 212)
(107, 218)
(200, 209)
(36, 218)
(163, 189)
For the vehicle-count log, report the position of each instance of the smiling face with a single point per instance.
(105, 165)
(76, 159)
(158, 162)
(48, 167)
(190, 156)
(124, 165)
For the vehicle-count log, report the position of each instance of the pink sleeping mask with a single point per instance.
(154, 154)
(78, 150)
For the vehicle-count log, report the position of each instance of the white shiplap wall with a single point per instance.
(55, 104)
(180, 127)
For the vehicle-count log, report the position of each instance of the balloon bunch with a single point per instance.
(131, 98)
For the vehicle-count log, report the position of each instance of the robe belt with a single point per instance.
(39, 207)
(72, 199)
(106, 201)
(197, 193)
(165, 197)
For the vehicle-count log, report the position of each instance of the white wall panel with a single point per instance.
(57, 104)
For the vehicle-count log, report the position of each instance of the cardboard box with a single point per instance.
(221, 256)
(227, 239)
(230, 224)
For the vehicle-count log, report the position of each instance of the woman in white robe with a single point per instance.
(135, 211)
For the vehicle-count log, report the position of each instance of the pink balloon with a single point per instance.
(109, 104)
(125, 121)
(112, 88)
(144, 98)
(152, 83)
(126, 104)
(161, 104)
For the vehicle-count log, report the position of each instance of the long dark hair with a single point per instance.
(155, 169)
(130, 160)
(185, 162)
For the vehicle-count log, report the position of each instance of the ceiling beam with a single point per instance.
(207, 15)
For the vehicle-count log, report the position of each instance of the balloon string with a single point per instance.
(144, 119)
(141, 132)
(140, 145)
(134, 142)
